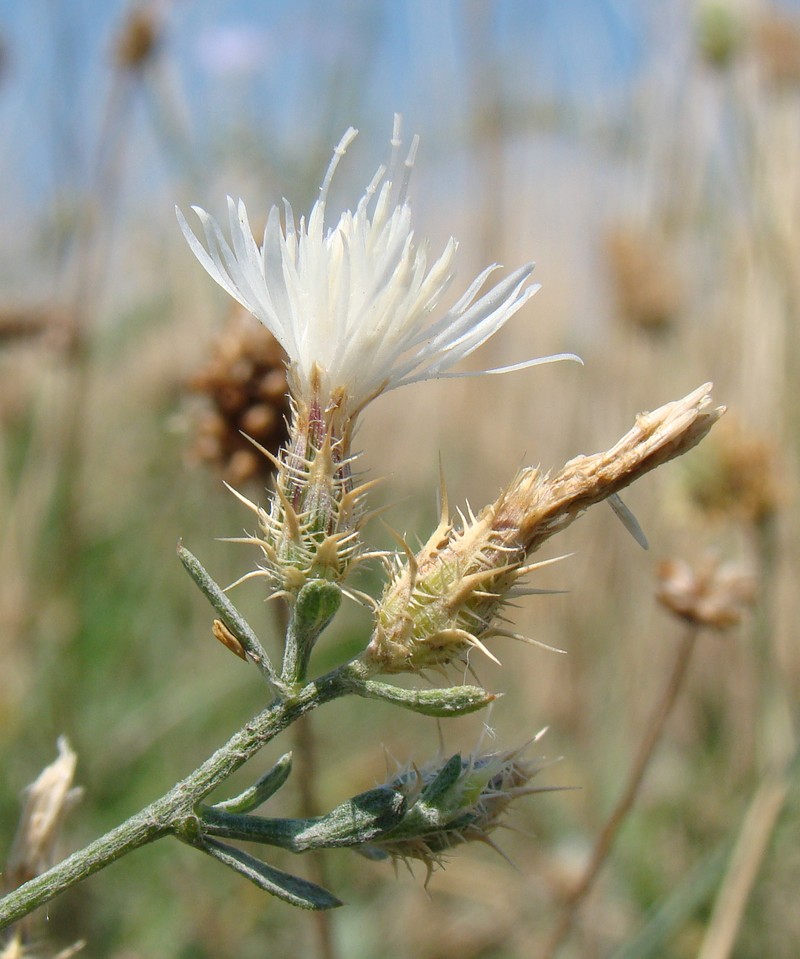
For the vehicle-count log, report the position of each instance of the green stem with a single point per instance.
(174, 813)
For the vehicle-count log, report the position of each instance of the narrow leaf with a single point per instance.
(260, 791)
(292, 889)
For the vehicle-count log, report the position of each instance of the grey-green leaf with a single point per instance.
(292, 889)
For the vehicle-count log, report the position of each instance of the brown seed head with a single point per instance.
(646, 289)
(776, 42)
(138, 39)
(710, 594)
(245, 383)
(737, 476)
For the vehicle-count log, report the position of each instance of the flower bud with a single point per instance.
(462, 800)
(310, 529)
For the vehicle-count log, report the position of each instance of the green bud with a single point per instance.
(454, 701)
(317, 603)
(452, 803)
(315, 606)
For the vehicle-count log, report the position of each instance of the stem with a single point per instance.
(174, 812)
(305, 746)
(608, 833)
(230, 616)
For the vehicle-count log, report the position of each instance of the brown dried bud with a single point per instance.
(47, 800)
(737, 476)
(711, 594)
(647, 291)
(138, 39)
(228, 640)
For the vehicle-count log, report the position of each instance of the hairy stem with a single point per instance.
(174, 812)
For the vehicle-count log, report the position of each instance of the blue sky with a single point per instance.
(300, 70)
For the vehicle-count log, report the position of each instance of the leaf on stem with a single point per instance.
(292, 889)
(260, 791)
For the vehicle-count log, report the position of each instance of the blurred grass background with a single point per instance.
(648, 156)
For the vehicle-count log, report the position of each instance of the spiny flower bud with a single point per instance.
(310, 528)
(446, 599)
(462, 800)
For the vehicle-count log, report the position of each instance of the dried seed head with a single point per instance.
(138, 39)
(776, 41)
(710, 594)
(47, 800)
(446, 599)
(245, 383)
(737, 476)
(646, 289)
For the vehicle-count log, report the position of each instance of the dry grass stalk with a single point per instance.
(748, 855)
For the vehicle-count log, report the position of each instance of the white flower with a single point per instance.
(352, 306)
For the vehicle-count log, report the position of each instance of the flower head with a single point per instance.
(352, 305)
(449, 597)
(448, 804)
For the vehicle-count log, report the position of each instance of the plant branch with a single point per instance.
(174, 813)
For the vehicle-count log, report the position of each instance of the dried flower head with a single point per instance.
(647, 291)
(776, 40)
(138, 39)
(447, 599)
(737, 476)
(712, 593)
(245, 382)
(47, 800)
